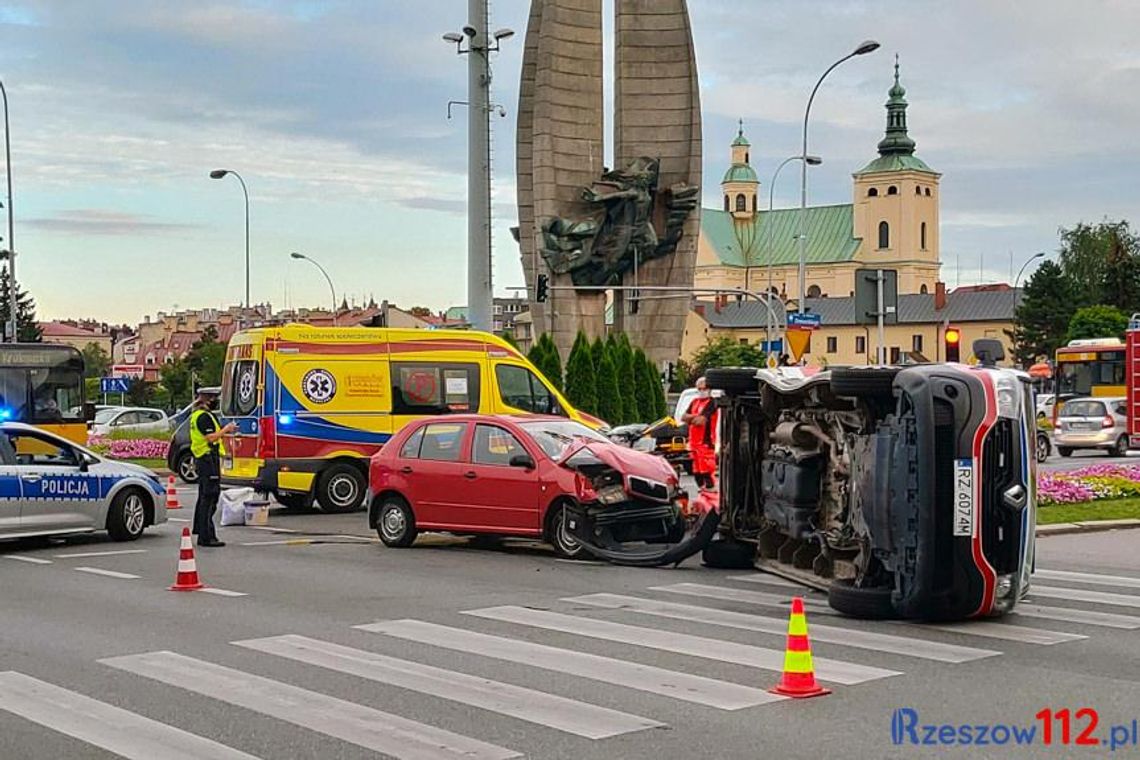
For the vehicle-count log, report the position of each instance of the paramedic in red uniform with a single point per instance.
(701, 417)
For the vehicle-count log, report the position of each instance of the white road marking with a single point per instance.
(836, 671)
(768, 579)
(1082, 595)
(101, 554)
(877, 642)
(30, 560)
(223, 592)
(107, 573)
(704, 591)
(533, 706)
(1006, 631)
(1119, 581)
(178, 519)
(632, 675)
(105, 726)
(270, 528)
(1087, 617)
(357, 724)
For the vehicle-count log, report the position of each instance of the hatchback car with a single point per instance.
(1092, 423)
(50, 486)
(130, 420)
(517, 476)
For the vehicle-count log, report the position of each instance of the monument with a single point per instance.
(585, 225)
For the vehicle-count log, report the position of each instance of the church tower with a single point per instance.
(740, 187)
(896, 204)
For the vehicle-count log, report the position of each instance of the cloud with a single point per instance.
(93, 221)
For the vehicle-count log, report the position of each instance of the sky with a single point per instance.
(335, 114)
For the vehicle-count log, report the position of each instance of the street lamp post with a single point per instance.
(1034, 257)
(810, 161)
(864, 48)
(12, 323)
(332, 291)
(479, 48)
(219, 174)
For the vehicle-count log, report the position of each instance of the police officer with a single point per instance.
(207, 447)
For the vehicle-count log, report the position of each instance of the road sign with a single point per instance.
(114, 384)
(799, 343)
(804, 321)
(867, 307)
(127, 370)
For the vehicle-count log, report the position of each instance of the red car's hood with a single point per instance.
(625, 460)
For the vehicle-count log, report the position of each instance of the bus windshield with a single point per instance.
(1081, 377)
(41, 384)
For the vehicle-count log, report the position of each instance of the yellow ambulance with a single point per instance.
(312, 404)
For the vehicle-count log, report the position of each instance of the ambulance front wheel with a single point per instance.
(341, 489)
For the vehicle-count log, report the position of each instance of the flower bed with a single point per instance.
(1101, 481)
(131, 448)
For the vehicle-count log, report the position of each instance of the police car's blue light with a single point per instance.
(284, 419)
(5, 414)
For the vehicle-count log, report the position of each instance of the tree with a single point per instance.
(1102, 261)
(596, 350)
(659, 405)
(509, 337)
(581, 379)
(207, 358)
(646, 401)
(140, 392)
(27, 331)
(613, 354)
(177, 380)
(723, 352)
(609, 397)
(96, 362)
(627, 380)
(1098, 322)
(544, 355)
(1042, 318)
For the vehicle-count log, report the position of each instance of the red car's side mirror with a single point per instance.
(522, 460)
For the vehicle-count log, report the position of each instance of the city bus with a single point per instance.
(42, 384)
(1091, 367)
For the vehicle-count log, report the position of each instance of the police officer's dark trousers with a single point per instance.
(209, 489)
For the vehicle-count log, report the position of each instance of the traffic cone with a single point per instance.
(172, 495)
(798, 679)
(187, 577)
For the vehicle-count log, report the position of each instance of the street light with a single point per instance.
(1034, 257)
(300, 256)
(219, 174)
(809, 161)
(864, 48)
(12, 336)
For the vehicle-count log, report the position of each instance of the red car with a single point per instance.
(519, 476)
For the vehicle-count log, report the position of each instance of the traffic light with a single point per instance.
(634, 302)
(953, 340)
(541, 288)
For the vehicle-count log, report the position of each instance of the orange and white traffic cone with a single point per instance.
(798, 679)
(172, 495)
(187, 577)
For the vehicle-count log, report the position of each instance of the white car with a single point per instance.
(1045, 404)
(51, 486)
(130, 420)
(683, 402)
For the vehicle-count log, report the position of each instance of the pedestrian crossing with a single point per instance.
(713, 646)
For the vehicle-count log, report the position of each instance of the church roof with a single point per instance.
(829, 237)
(740, 173)
(896, 149)
(896, 162)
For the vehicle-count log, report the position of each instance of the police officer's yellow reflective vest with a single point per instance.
(199, 445)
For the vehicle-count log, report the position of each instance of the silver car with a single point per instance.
(1092, 423)
(51, 486)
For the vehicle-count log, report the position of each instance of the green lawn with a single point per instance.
(1102, 509)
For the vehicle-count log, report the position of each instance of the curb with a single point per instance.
(1094, 526)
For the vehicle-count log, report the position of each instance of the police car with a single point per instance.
(51, 486)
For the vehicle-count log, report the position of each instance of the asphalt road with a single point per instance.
(531, 659)
(1078, 459)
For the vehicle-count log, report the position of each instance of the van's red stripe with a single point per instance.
(989, 575)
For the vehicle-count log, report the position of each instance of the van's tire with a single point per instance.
(1064, 451)
(340, 489)
(1120, 449)
(726, 554)
(865, 603)
(733, 379)
(395, 523)
(186, 467)
(558, 535)
(126, 517)
(294, 501)
(863, 382)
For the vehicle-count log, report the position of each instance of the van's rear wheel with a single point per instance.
(341, 489)
(872, 603)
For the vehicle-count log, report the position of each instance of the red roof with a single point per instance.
(60, 330)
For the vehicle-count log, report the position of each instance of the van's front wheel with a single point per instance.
(341, 489)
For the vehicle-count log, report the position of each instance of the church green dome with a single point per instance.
(739, 173)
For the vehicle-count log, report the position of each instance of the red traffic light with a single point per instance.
(952, 335)
(953, 339)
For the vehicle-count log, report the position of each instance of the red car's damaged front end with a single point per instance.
(630, 504)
